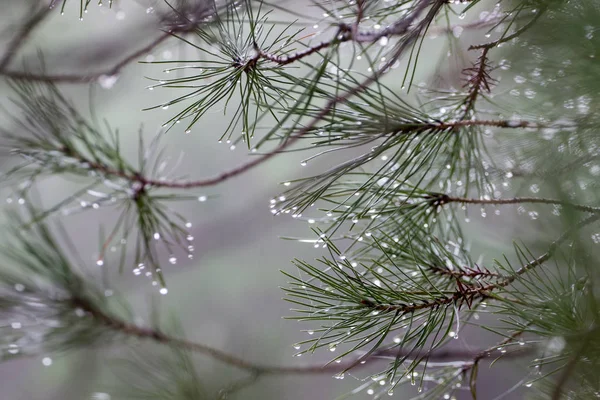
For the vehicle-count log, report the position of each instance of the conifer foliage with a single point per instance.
(502, 123)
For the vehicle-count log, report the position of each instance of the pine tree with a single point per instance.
(438, 130)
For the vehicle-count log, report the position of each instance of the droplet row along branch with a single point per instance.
(466, 295)
(441, 199)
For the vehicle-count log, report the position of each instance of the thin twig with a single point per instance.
(518, 200)
(85, 78)
(510, 37)
(19, 40)
(133, 330)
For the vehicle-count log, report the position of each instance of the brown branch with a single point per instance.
(155, 335)
(85, 78)
(478, 80)
(348, 33)
(284, 60)
(211, 181)
(468, 295)
(488, 352)
(444, 199)
(465, 273)
(20, 39)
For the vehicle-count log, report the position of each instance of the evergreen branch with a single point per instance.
(405, 25)
(469, 295)
(478, 81)
(59, 141)
(342, 35)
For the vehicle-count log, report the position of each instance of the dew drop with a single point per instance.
(107, 81)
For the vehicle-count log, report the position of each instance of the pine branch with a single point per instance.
(444, 199)
(470, 295)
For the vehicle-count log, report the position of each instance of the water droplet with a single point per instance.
(202, 199)
(107, 81)
(457, 31)
(164, 291)
(47, 361)
(100, 396)
(100, 262)
(173, 260)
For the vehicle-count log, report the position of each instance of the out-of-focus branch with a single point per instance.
(447, 355)
(518, 200)
(36, 18)
(89, 77)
